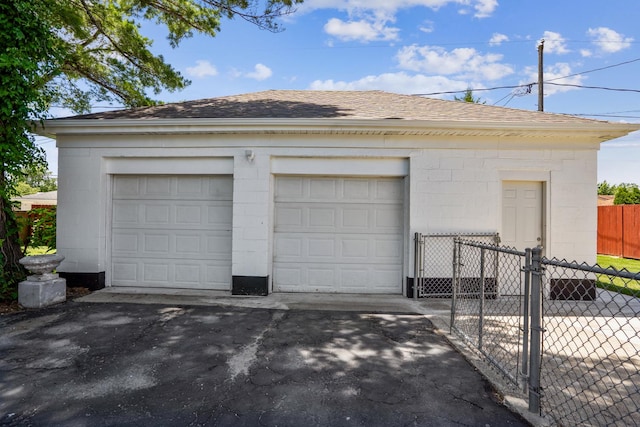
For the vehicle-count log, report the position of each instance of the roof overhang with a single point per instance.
(593, 132)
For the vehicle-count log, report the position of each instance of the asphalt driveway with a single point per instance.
(92, 364)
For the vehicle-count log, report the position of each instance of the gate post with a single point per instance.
(524, 373)
(536, 330)
(455, 279)
(417, 263)
(481, 305)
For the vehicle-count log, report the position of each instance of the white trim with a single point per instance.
(169, 166)
(525, 175)
(597, 131)
(340, 166)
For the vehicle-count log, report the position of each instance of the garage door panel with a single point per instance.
(289, 216)
(173, 243)
(152, 214)
(288, 278)
(124, 271)
(338, 235)
(345, 218)
(125, 214)
(320, 276)
(361, 248)
(354, 248)
(321, 217)
(173, 188)
(318, 247)
(172, 231)
(354, 190)
(155, 272)
(329, 278)
(387, 190)
(357, 189)
(173, 273)
(356, 218)
(322, 189)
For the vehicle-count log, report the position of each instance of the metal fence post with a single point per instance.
(455, 279)
(417, 263)
(525, 318)
(536, 330)
(481, 305)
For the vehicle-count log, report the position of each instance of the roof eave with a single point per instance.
(601, 131)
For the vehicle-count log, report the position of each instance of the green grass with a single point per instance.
(617, 284)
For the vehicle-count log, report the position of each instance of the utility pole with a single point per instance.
(540, 77)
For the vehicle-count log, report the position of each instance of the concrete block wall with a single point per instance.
(251, 247)
(449, 189)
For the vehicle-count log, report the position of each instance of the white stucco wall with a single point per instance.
(454, 185)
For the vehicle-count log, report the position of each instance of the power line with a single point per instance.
(450, 92)
(613, 89)
(547, 81)
(605, 115)
(595, 69)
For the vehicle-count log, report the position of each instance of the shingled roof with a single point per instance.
(297, 104)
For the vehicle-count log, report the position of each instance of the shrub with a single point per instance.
(43, 227)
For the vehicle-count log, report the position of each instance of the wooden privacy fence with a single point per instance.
(619, 231)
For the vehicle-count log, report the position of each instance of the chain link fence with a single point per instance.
(491, 318)
(565, 335)
(590, 361)
(434, 267)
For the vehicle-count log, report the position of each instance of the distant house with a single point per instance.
(49, 198)
(605, 200)
(314, 191)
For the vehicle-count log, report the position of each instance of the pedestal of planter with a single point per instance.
(43, 288)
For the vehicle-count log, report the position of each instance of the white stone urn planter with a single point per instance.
(43, 287)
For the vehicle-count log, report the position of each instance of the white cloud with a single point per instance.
(554, 43)
(608, 40)
(586, 53)
(464, 63)
(368, 19)
(397, 83)
(361, 30)
(427, 27)
(202, 69)
(260, 72)
(497, 39)
(553, 72)
(484, 8)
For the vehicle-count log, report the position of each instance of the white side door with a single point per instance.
(522, 225)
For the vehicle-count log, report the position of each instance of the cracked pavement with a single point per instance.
(87, 364)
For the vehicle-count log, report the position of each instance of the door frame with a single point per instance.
(544, 178)
(343, 167)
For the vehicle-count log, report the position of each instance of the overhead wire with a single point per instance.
(549, 81)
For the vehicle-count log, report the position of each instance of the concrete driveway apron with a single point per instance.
(88, 364)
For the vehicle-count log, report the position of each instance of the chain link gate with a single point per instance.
(565, 335)
(433, 265)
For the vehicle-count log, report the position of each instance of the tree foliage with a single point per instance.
(624, 194)
(606, 189)
(627, 194)
(35, 178)
(468, 97)
(73, 53)
(107, 58)
(28, 55)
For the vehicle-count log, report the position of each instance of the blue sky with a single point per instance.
(432, 46)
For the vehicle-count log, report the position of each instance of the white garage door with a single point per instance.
(338, 235)
(172, 231)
